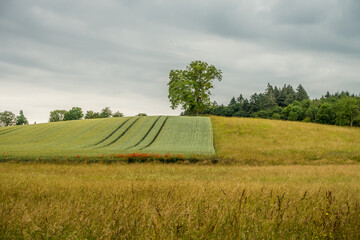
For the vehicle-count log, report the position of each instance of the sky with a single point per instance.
(118, 53)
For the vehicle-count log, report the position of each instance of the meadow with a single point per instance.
(173, 201)
(305, 184)
(250, 141)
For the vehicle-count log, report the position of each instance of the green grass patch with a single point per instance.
(274, 142)
(91, 139)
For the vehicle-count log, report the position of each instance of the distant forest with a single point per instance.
(341, 108)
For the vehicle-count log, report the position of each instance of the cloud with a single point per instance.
(119, 53)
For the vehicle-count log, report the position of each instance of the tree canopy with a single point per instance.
(190, 88)
(7, 118)
(21, 119)
(57, 115)
(285, 103)
(73, 114)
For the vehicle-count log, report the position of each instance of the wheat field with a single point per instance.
(173, 201)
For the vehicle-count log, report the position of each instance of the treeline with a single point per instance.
(76, 113)
(341, 108)
(8, 118)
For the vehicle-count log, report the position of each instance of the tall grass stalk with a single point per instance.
(153, 201)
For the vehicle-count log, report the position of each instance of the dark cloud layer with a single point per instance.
(59, 54)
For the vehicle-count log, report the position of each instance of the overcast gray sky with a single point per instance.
(118, 53)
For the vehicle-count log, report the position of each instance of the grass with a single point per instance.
(60, 141)
(180, 201)
(153, 201)
(273, 142)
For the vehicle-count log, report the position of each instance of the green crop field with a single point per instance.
(91, 138)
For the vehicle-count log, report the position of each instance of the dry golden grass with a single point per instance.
(268, 142)
(153, 201)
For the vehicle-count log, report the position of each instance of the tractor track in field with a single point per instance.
(122, 134)
(157, 134)
(7, 131)
(112, 133)
(146, 134)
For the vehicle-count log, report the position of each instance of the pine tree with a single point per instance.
(290, 95)
(232, 101)
(269, 90)
(21, 119)
(301, 94)
(240, 98)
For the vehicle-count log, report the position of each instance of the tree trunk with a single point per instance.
(197, 107)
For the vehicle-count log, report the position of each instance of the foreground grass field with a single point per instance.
(270, 142)
(99, 137)
(153, 201)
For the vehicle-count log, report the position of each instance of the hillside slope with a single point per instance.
(153, 134)
(266, 142)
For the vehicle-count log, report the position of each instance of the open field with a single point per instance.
(270, 142)
(95, 137)
(153, 201)
(237, 140)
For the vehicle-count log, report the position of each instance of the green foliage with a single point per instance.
(142, 114)
(57, 115)
(91, 114)
(325, 114)
(293, 112)
(106, 112)
(74, 114)
(190, 88)
(7, 118)
(21, 119)
(301, 94)
(276, 116)
(232, 102)
(118, 114)
(340, 108)
(347, 110)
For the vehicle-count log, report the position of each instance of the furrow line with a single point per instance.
(122, 133)
(7, 131)
(147, 133)
(156, 134)
(111, 133)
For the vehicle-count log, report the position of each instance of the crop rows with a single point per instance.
(153, 134)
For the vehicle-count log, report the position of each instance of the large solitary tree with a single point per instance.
(190, 88)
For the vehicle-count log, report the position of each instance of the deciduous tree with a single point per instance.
(106, 112)
(118, 114)
(7, 118)
(190, 88)
(57, 115)
(74, 114)
(347, 110)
